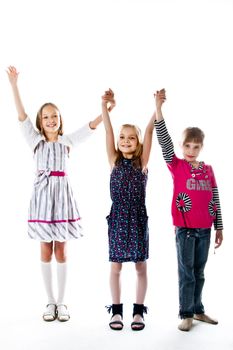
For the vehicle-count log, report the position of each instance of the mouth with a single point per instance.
(126, 146)
(51, 125)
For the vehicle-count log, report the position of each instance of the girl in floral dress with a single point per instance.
(127, 222)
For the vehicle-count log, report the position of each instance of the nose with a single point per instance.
(51, 118)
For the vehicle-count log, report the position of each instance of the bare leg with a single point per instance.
(141, 286)
(115, 286)
(46, 251)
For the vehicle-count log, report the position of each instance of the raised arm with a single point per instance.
(147, 142)
(108, 97)
(94, 123)
(13, 78)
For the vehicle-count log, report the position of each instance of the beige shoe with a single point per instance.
(205, 318)
(186, 324)
(50, 313)
(62, 313)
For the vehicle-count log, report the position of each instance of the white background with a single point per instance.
(69, 52)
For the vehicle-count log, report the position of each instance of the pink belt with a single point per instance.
(57, 173)
(45, 174)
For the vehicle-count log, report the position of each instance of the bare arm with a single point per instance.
(147, 142)
(110, 142)
(94, 123)
(13, 77)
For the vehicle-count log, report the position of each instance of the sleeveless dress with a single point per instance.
(128, 232)
(53, 213)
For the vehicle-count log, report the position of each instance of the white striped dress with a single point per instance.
(53, 211)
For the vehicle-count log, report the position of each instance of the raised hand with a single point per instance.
(108, 98)
(12, 74)
(13, 77)
(160, 97)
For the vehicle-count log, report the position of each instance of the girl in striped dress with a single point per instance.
(195, 208)
(127, 222)
(53, 214)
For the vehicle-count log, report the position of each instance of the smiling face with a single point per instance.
(128, 141)
(49, 121)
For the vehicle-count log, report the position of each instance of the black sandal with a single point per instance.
(117, 309)
(138, 309)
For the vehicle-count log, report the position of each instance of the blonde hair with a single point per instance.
(193, 134)
(39, 115)
(138, 152)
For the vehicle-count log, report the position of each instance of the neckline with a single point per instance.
(200, 166)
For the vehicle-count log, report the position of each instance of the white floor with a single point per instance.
(23, 300)
(25, 330)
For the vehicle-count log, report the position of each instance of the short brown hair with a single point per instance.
(39, 114)
(193, 134)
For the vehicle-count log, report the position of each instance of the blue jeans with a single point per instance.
(192, 253)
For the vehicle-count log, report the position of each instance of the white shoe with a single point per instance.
(62, 313)
(50, 313)
(186, 324)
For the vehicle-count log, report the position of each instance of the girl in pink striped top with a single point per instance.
(195, 208)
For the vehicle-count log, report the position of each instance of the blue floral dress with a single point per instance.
(128, 222)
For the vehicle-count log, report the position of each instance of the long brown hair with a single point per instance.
(39, 115)
(138, 152)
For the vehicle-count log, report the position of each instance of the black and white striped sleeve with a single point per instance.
(164, 140)
(218, 224)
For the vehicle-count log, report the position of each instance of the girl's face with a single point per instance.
(127, 142)
(191, 151)
(50, 120)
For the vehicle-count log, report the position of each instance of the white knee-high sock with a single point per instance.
(46, 269)
(61, 281)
